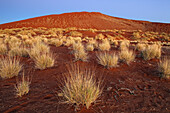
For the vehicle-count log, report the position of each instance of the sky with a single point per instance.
(147, 10)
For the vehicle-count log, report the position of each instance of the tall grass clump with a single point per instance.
(42, 56)
(3, 49)
(140, 47)
(164, 67)
(9, 67)
(151, 51)
(124, 45)
(19, 51)
(81, 86)
(22, 86)
(105, 45)
(43, 61)
(38, 48)
(108, 60)
(127, 55)
(79, 52)
(89, 47)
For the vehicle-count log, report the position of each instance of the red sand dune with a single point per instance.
(88, 20)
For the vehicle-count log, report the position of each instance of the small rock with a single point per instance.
(109, 88)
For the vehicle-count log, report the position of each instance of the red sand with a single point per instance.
(88, 20)
(149, 93)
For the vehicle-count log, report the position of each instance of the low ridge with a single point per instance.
(88, 20)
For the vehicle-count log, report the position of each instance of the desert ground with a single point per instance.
(136, 83)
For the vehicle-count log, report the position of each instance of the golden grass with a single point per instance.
(3, 49)
(89, 47)
(105, 45)
(9, 67)
(43, 61)
(19, 51)
(164, 67)
(22, 87)
(79, 52)
(124, 45)
(81, 86)
(127, 55)
(56, 42)
(38, 48)
(151, 51)
(140, 47)
(108, 60)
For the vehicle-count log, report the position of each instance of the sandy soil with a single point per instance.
(134, 88)
(88, 20)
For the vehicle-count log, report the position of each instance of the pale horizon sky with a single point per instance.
(147, 10)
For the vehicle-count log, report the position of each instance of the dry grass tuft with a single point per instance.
(90, 47)
(151, 51)
(80, 86)
(9, 67)
(140, 47)
(108, 60)
(164, 67)
(43, 61)
(19, 51)
(127, 55)
(105, 45)
(3, 49)
(22, 87)
(124, 45)
(37, 49)
(79, 52)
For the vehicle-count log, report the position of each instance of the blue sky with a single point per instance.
(149, 10)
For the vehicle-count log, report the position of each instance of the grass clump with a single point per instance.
(9, 67)
(43, 61)
(90, 47)
(151, 51)
(108, 60)
(164, 67)
(80, 86)
(79, 52)
(3, 49)
(127, 55)
(19, 51)
(105, 45)
(22, 87)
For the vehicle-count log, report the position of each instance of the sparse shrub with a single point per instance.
(75, 34)
(108, 60)
(19, 51)
(124, 45)
(79, 52)
(99, 36)
(22, 87)
(43, 61)
(89, 47)
(56, 42)
(9, 67)
(37, 49)
(127, 55)
(140, 46)
(164, 67)
(80, 86)
(69, 41)
(151, 51)
(3, 49)
(105, 45)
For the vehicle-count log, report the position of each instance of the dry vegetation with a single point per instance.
(9, 67)
(80, 86)
(108, 60)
